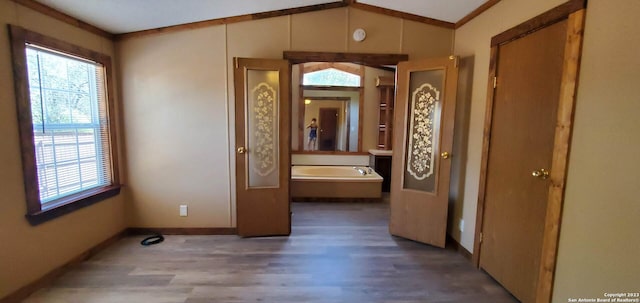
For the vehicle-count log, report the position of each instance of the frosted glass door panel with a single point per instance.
(423, 130)
(262, 131)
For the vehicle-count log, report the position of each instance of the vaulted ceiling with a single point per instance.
(125, 16)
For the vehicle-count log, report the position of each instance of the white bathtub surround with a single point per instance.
(311, 159)
(335, 182)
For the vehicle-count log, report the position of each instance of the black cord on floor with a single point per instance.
(155, 239)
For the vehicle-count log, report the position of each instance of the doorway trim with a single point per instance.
(574, 11)
(367, 59)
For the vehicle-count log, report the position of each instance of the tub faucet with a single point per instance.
(360, 170)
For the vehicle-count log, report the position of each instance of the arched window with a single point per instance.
(331, 77)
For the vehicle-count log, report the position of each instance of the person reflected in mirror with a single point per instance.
(312, 144)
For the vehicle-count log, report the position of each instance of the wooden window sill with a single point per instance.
(72, 203)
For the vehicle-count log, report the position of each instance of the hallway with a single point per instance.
(337, 252)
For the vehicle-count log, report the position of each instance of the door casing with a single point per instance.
(529, 70)
(295, 57)
(574, 11)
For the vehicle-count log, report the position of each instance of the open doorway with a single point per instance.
(336, 113)
(421, 161)
(327, 107)
(264, 161)
(337, 105)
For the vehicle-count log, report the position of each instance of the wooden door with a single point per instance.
(263, 140)
(328, 128)
(423, 137)
(525, 105)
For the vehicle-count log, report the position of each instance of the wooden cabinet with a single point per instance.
(386, 92)
(381, 163)
(380, 159)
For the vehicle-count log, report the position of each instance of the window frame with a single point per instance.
(36, 212)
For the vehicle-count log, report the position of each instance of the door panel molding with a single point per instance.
(574, 11)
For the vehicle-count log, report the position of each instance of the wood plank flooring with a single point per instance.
(337, 252)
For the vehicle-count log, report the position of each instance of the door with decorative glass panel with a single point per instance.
(423, 138)
(263, 140)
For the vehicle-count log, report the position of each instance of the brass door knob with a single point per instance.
(542, 173)
(241, 150)
(445, 155)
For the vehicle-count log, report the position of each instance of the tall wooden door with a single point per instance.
(263, 140)
(525, 106)
(423, 137)
(328, 126)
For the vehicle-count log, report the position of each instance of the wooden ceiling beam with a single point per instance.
(476, 12)
(399, 14)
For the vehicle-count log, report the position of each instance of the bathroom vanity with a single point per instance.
(380, 161)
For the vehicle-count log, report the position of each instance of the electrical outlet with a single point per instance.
(183, 210)
(461, 225)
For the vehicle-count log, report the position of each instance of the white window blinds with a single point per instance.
(70, 123)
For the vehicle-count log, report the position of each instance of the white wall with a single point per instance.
(177, 91)
(348, 160)
(599, 248)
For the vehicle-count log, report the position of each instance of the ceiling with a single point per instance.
(125, 16)
(445, 10)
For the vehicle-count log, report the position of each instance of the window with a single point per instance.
(331, 77)
(66, 132)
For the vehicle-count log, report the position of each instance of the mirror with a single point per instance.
(363, 127)
(331, 121)
(329, 106)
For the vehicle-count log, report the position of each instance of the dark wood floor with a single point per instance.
(338, 252)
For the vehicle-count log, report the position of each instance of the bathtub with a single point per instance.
(334, 182)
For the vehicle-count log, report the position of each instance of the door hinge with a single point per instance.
(456, 60)
(481, 237)
(495, 82)
(235, 62)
